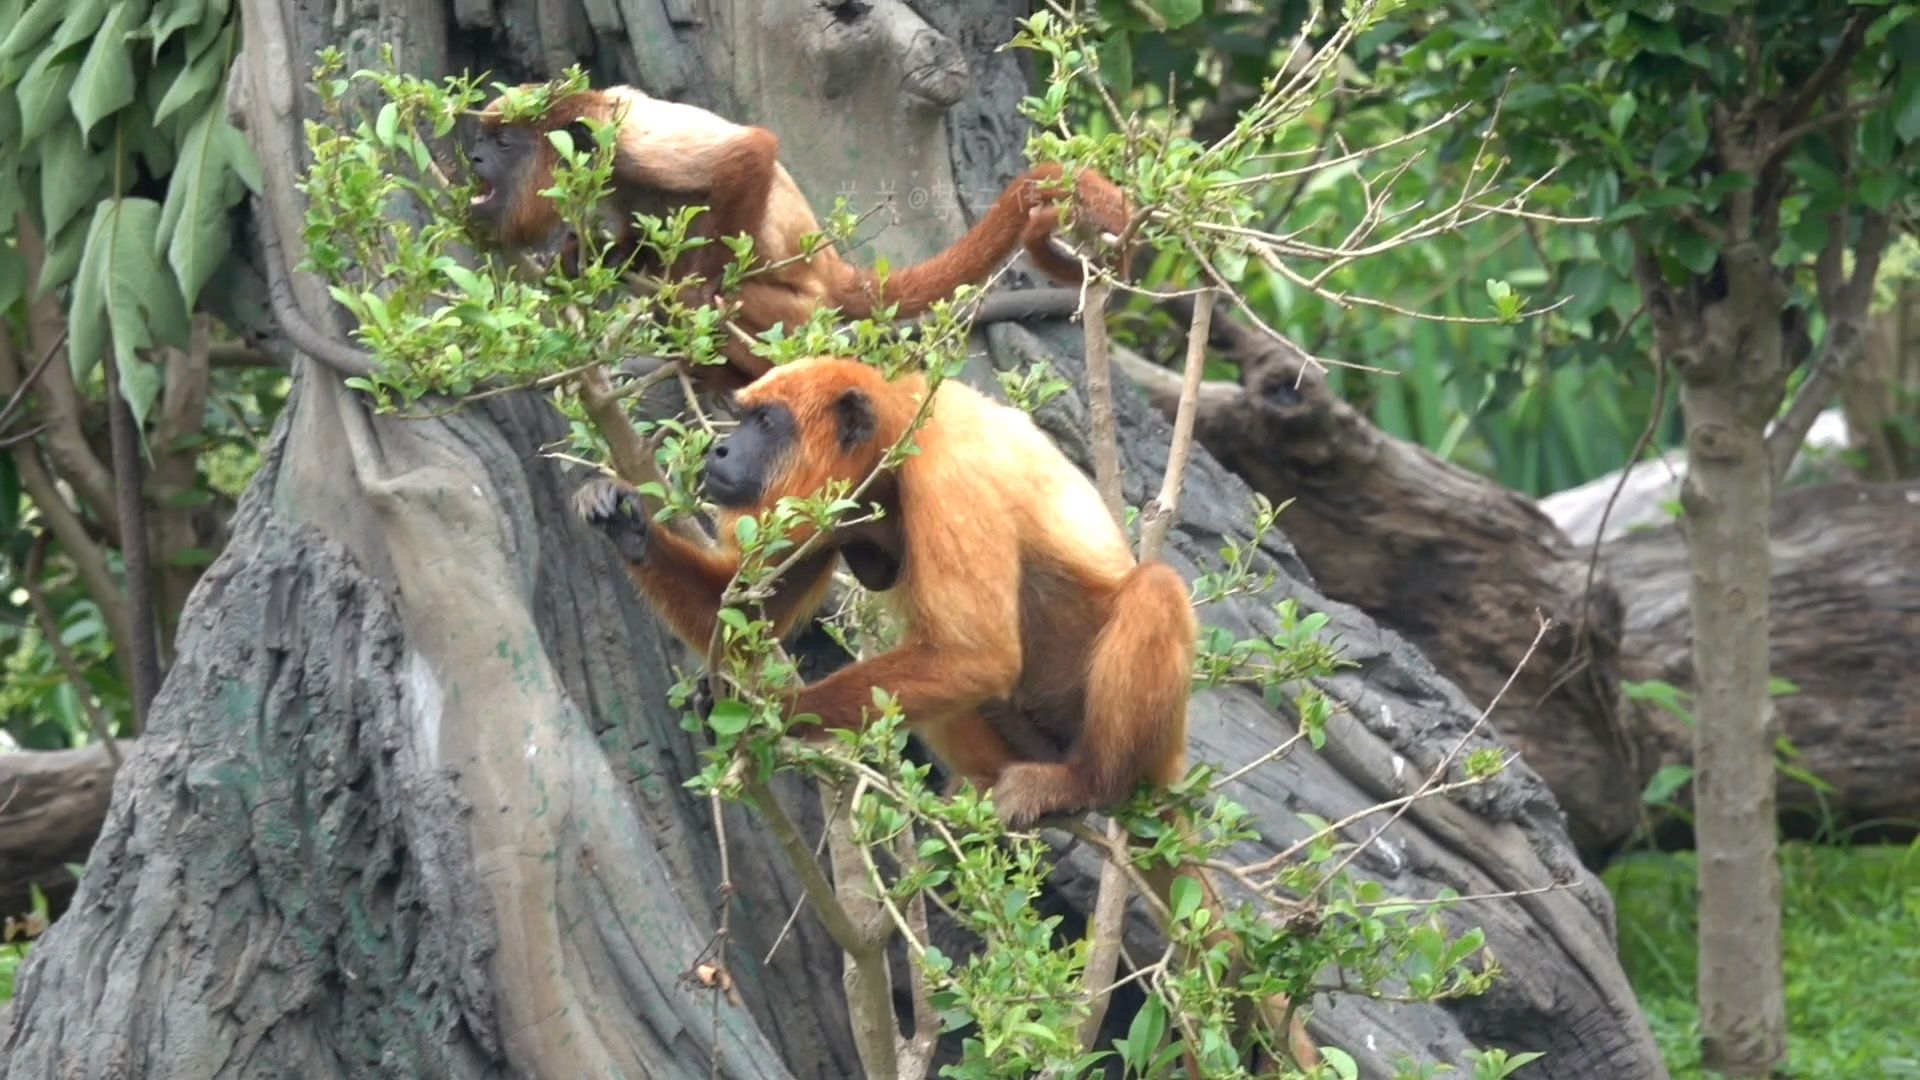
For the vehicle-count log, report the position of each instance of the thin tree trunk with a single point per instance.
(1727, 494)
(1727, 347)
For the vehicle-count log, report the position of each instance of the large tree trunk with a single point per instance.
(411, 800)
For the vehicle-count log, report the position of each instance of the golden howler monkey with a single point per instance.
(669, 155)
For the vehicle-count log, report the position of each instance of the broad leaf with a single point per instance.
(173, 16)
(42, 94)
(201, 77)
(33, 26)
(82, 19)
(193, 223)
(71, 176)
(122, 298)
(106, 81)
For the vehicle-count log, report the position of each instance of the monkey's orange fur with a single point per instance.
(672, 154)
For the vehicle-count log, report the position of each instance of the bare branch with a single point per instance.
(1851, 111)
(1158, 515)
(135, 547)
(1852, 36)
(50, 630)
(1105, 929)
(1106, 442)
(1433, 781)
(61, 405)
(1844, 300)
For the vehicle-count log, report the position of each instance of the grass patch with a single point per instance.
(1852, 940)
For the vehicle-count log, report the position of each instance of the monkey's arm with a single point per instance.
(684, 582)
(733, 175)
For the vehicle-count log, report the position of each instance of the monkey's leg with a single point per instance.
(933, 685)
(1138, 680)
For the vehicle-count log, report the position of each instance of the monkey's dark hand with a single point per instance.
(701, 700)
(615, 509)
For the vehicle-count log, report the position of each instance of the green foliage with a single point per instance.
(1852, 939)
(40, 708)
(99, 100)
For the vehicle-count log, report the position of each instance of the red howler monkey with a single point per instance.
(669, 154)
(1039, 660)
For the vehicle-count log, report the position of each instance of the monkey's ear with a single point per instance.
(853, 418)
(582, 137)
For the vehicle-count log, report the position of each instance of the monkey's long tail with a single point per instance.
(1026, 213)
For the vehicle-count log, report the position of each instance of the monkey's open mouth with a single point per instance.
(484, 196)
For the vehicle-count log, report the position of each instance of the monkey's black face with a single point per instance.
(739, 465)
(499, 156)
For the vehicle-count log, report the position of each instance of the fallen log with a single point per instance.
(51, 805)
(1846, 634)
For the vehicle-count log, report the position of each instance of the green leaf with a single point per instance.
(82, 20)
(1694, 251)
(42, 17)
(1178, 13)
(42, 93)
(122, 299)
(1342, 1062)
(1620, 113)
(140, 385)
(1186, 896)
(200, 78)
(239, 155)
(9, 497)
(105, 84)
(72, 177)
(729, 717)
(1662, 785)
(173, 16)
(1676, 152)
(193, 223)
(1906, 107)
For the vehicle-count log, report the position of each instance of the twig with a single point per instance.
(723, 979)
(134, 552)
(20, 392)
(812, 879)
(1158, 515)
(1440, 770)
(50, 629)
(1106, 441)
(1104, 930)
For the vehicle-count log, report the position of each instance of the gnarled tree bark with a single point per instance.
(411, 800)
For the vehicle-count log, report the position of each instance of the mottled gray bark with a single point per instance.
(412, 804)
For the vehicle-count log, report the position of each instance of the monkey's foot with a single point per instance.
(615, 509)
(1029, 791)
